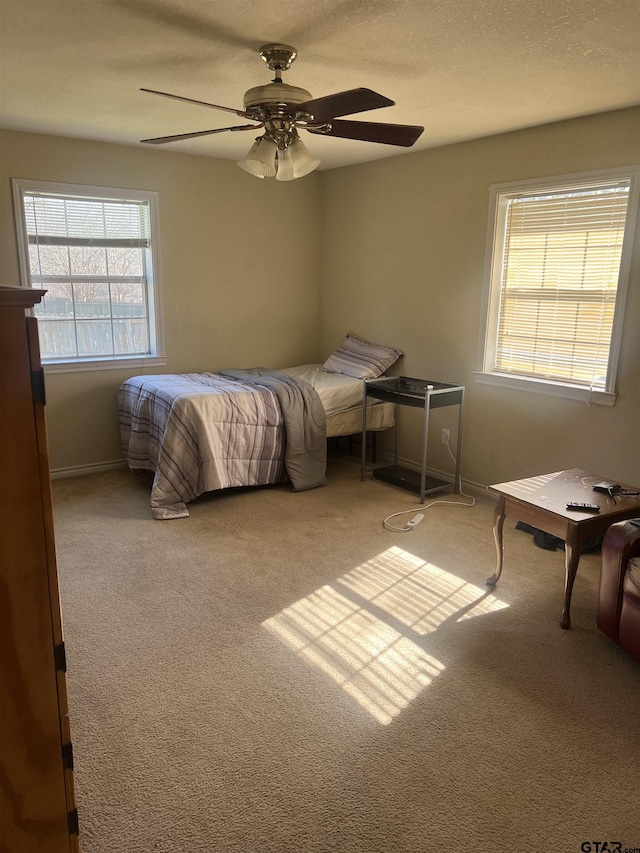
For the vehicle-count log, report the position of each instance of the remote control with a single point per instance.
(579, 507)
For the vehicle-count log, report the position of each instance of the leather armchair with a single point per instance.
(619, 597)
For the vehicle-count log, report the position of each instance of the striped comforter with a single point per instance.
(204, 431)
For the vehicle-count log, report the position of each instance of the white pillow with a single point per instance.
(361, 359)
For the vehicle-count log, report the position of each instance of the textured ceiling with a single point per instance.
(462, 69)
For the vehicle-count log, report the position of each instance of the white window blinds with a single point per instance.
(65, 220)
(92, 257)
(558, 282)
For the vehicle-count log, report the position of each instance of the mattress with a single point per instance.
(341, 397)
(349, 422)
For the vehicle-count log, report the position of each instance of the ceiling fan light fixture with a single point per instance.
(285, 170)
(266, 160)
(303, 161)
(295, 161)
(261, 159)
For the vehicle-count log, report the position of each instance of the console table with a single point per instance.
(425, 394)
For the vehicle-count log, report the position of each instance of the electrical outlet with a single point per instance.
(445, 436)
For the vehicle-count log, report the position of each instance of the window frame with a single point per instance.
(157, 355)
(499, 198)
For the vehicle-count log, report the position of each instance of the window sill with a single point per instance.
(125, 363)
(543, 386)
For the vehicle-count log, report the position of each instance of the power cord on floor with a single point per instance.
(415, 521)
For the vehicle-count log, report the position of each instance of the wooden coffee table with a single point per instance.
(541, 502)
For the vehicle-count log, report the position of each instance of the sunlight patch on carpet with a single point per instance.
(348, 637)
(376, 665)
(418, 594)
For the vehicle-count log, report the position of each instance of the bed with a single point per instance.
(201, 432)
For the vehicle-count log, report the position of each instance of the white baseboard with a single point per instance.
(94, 468)
(100, 467)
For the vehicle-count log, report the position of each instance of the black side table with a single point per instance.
(418, 393)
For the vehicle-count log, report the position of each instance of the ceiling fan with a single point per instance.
(282, 109)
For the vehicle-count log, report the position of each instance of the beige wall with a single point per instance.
(256, 272)
(240, 263)
(403, 260)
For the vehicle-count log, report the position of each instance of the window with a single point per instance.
(94, 250)
(558, 257)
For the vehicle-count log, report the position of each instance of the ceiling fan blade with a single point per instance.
(200, 103)
(160, 140)
(344, 104)
(371, 131)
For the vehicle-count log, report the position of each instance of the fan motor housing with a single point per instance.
(275, 93)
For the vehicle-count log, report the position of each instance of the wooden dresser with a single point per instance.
(37, 799)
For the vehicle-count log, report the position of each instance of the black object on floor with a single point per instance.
(551, 543)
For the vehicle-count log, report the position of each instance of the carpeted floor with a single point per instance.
(280, 674)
